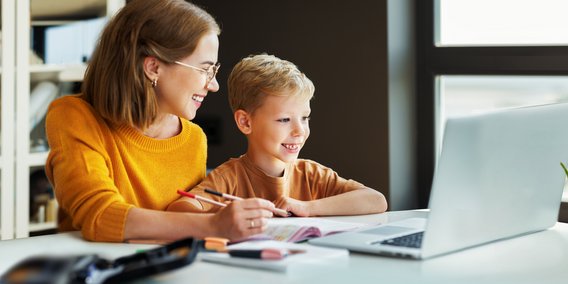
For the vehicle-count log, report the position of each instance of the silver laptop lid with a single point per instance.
(498, 176)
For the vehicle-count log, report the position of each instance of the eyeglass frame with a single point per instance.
(215, 68)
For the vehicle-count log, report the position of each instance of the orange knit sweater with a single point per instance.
(98, 173)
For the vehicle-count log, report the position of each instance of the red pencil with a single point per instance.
(191, 195)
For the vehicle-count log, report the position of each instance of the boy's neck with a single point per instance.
(271, 167)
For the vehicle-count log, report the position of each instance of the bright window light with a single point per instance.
(502, 22)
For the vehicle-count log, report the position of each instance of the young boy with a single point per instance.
(270, 99)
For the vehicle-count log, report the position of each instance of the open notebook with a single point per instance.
(298, 229)
(291, 229)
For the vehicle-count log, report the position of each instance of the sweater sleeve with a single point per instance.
(79, 169)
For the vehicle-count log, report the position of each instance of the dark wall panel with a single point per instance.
(342, 47)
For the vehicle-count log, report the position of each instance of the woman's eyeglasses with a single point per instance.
(210, 72)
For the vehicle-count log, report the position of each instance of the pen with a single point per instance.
(191, 195)
(279, 211)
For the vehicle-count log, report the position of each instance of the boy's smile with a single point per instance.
(278, 130)
(293, 148)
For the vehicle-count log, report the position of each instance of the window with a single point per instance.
(464, 94)
(480, 55)
(502, 22)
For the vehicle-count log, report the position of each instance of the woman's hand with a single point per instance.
(243, 218)
(296, 207)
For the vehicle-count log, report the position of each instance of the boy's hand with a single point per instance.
(297, 207)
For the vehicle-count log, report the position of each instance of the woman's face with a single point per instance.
(180, 89)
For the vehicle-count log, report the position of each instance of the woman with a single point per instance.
(121, 149)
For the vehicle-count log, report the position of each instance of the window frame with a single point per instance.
(433, 61)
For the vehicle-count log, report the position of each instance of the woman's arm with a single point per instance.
(80, 167)
(355, 202)
(233, 222)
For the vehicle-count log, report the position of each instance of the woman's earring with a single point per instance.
(155, 82)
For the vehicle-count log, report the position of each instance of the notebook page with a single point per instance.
(290, 229)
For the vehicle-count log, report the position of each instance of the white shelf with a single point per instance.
(47, 68)
(57, 72)
(7, 141)
(37, 159)
(74, 73)
(17, 18)
(51, 23)
(36, 227)
(58, 9)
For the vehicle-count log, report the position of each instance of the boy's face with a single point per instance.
(278, 130)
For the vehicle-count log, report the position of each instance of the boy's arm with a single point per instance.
(185, 204)
(332, 194)
(355, 202)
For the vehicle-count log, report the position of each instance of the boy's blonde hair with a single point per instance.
(258, 76)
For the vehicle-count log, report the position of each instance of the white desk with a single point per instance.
(536, 258)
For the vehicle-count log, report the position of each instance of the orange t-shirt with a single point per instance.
(303, 180)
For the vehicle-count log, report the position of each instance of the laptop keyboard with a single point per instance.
(411, 241)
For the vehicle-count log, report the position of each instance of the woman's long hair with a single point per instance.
(115, 83)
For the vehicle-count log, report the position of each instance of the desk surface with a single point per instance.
(536, 258)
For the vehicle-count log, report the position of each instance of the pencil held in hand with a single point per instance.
(191, 195)
(277, 211)
(224, 195)
(282, 212)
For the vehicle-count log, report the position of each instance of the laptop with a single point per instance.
(498, 176)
